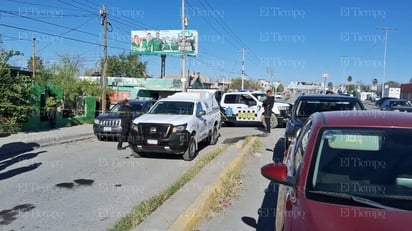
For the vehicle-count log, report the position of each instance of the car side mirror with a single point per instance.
(201, 113)
(278, 172)
(252, 103)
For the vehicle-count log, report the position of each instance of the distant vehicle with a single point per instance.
(347, 170)
(401, 105)
(379, 101)
(108, 125)
(240, 107)
(307, 104)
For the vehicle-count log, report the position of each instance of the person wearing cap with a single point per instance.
(126, 119)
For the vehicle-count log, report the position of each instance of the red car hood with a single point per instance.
(316, 215)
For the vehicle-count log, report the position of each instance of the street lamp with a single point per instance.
(324, 75)
(384, 56)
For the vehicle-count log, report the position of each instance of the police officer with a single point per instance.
(268, 105)
(126, 119)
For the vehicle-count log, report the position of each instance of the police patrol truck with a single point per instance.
(240, 107)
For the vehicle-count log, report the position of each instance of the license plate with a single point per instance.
(151, 141)
(107, 129)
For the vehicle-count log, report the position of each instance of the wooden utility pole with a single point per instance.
(33, 62)
(103, 14)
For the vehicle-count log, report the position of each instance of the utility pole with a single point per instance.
(386, 29)
(33, 62)
(103, 15)
(184, 25)
(243, 67)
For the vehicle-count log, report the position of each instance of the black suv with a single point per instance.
(307, 104)
(108, 125)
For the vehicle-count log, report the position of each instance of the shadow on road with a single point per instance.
(267, 211)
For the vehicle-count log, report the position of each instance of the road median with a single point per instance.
(187, 208)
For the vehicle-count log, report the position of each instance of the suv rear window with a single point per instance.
(307, 107)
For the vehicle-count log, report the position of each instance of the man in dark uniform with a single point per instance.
(126, 119)
(268, 105)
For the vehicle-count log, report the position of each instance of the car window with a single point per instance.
(372, 163)
(199, 108)
(136, 106)
(305, 108)
(230, 99)
(302, 141)
(173, 108)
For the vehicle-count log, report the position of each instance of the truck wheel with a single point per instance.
(135, 153)
(274, 121)
(213, 136)
(190, 153)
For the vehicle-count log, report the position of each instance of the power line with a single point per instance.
(64, 37)
(48, 23)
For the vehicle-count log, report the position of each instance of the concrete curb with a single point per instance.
(193, 215)
(185, 209)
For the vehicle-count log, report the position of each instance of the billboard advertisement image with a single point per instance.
(163, 42)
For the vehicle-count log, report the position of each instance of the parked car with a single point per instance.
(108, 125)
(307, 104)
(401, 105)
(379, 101)
(349, 170)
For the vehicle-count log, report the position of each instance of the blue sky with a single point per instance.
(298, 40)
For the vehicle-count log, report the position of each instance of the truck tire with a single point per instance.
(274, 121)
(135, 153)
(213, 136)
(190, 153)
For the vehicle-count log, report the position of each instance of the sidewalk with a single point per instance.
(27, 141)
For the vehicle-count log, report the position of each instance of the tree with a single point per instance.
(236, 83)
(38, 61)
(124, 65)
(349, 79)
(15, 100)
(330, 85)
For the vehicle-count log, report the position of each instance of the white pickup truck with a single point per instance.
(176, 125)
(240, 107)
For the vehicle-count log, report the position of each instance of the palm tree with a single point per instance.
(349, 79)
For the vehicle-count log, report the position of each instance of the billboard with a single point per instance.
(163, 42)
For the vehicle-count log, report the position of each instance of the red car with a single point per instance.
(347, 170)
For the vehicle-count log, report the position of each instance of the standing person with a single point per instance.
(51, 109)
(268, 105)
(126, 119)
(157, 42)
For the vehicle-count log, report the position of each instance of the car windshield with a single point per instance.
(173, 108)
(307, 107)
(399, 103)
(135, 107)
(260, 96)
(368, 163)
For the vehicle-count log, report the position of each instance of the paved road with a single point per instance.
(84, 185)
